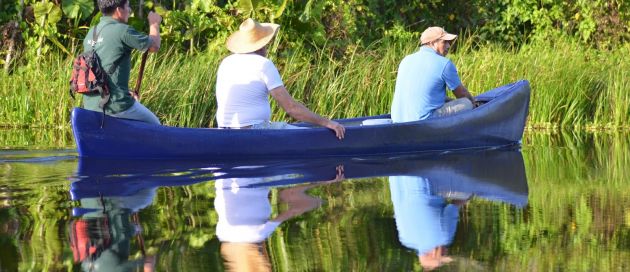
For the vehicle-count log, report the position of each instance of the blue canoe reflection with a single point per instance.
(491, 174)
(426, 189)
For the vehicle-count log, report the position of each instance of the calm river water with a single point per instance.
(560, 203)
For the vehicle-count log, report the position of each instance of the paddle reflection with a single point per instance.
(427, 204)
(245, 221)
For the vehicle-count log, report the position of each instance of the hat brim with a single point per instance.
(449, 37)
(241, 43)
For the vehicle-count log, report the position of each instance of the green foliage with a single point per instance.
(191, 104)
(81, 9)
(9, 10)
(191, 28)
(46, 13)
(192, 25)
(265, 10)
(600, 23)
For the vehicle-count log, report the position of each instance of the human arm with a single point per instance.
(141, 41)
(299, 202)
(301, 113)
(453, 82)
(149, 264)
(154, 31)
(461, 91)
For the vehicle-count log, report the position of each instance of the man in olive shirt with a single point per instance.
(114, 44)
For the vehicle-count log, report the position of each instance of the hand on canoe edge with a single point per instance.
(339, 130)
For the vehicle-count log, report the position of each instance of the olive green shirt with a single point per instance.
(119, 229)
(115, 41)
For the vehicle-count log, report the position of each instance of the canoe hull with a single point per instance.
(499, 122)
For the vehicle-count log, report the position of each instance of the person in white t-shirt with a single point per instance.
(246, 78)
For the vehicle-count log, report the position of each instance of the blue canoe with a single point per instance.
(499, 121)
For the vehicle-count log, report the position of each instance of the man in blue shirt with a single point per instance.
(422, 80)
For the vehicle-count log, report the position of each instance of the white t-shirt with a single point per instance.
(242, 89)
(243, 211)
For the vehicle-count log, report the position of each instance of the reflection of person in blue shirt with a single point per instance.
(101, 237)
(244, 218)
(426, 223)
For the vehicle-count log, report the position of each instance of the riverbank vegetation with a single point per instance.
(338, 57)
(572, 85)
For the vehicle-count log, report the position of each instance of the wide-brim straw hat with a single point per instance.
(435, 33)
(251, 36)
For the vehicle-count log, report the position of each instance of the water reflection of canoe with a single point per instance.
(498, 122)
(491, 174)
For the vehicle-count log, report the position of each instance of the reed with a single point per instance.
(36, 138)
(180, 89)
(572, 86)
(37, 95)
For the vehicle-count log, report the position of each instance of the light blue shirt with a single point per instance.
(421, 85)
(424, 221)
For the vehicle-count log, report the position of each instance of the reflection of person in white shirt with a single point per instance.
(426, 223)
(243, 212)
(244, 218)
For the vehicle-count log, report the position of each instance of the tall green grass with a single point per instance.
(180, 89)
(36, 95)
(36, 138)
(572, 85)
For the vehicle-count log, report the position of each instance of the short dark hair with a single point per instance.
(107, 7)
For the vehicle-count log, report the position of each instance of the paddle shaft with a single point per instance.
(140, 73)
(136, 220)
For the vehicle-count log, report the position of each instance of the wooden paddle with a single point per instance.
(136, 220)
(136, 91)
